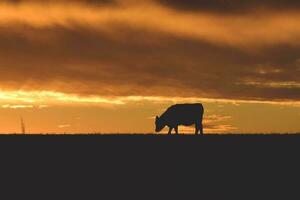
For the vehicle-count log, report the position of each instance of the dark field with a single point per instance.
(155, 151)
(206, 145)
(211, 135)
(152, 163)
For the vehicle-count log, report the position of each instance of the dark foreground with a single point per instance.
(218, 148)
(152, 166)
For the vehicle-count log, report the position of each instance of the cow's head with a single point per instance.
(159, 124)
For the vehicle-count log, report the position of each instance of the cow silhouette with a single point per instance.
(181, 114)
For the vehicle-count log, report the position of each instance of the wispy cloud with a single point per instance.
(213, 124)
(16, 106)
(54, 98)
(287, 84)
(64, 126)
(39, 98)
(218, 124)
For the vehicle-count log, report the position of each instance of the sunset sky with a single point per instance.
(111, 66)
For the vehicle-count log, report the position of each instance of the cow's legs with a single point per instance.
(176, 130)
(170, 130)
(197, 130)
(201, 125)
(201, 129)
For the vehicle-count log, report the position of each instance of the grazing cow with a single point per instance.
(181, 114)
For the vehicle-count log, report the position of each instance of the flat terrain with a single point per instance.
(210, 160)
(256, 135)
(206, 145)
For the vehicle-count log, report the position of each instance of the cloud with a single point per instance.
(64, 126)
(134, 48)
(232, 6)
(213, 124)
(16, 106)
(87, 63)
(251, 29)
(45, 99)
(37, 98)
(218, 124)
(220, 128)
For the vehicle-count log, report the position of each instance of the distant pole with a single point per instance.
(23, 126)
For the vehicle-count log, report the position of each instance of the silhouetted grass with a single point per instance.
(228, 135)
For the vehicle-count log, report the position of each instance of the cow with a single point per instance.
(181, 114)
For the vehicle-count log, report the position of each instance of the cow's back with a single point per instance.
(185, 114)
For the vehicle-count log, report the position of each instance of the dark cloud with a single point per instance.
(132, 62)
(223, 6)
(230, 5)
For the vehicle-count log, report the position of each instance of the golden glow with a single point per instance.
(50, 112)
(45, 98)
(49, 97)
(286, 84)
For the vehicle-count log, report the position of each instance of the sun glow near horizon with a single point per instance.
(58, 98)
(56, 112)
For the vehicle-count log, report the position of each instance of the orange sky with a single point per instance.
(83, 66)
